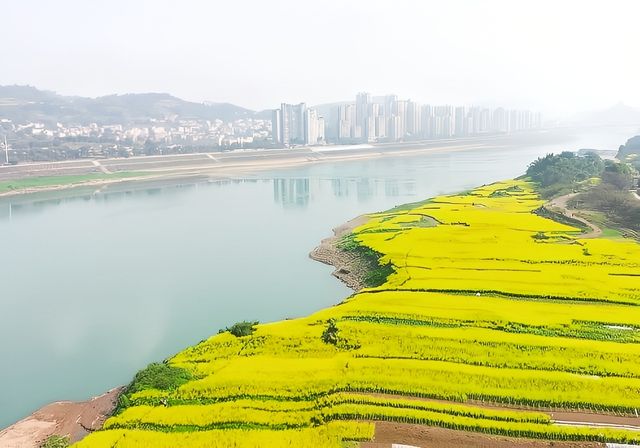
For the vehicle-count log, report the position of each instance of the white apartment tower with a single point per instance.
(313, 128)
(291, 124)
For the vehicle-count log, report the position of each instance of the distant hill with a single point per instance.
(631, 147)
(26, 103)
(620, 114)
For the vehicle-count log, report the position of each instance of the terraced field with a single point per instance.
(494, 317)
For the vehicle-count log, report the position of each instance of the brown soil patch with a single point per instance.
(388, 433)
(64, 418)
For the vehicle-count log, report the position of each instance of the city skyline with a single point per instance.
(366, 119)
(373, 119)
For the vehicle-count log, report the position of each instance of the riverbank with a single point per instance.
(106, 172)
(63, 418)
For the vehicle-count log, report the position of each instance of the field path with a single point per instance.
(395, 435)
(560, 203)
(565, 417)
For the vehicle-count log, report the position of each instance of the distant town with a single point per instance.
(369, 119)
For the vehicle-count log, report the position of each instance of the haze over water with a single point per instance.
(95, 286)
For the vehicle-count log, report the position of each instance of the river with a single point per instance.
(95, 285)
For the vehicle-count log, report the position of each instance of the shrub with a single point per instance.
(540, 236)
(56, 442)
(239, 329)
(158, 376)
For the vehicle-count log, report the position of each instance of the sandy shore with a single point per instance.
(64, 418)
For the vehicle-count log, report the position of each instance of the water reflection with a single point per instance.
(38, 202)
(294, 192)
(6, 210)
(291, 192)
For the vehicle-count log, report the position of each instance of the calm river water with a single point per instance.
(95, 286)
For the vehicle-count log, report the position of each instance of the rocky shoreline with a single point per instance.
(348, 267)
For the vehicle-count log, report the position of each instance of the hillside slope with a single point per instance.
(494, 320)
(28, 104)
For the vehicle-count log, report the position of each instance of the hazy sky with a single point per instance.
(560, 55)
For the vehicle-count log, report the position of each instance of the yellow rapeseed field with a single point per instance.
(488, 302)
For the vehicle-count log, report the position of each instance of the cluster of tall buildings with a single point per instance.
(389, 119)
(296, 124)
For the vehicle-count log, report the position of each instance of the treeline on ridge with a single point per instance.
(602, 185)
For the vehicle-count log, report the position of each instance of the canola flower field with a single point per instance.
(488, 303)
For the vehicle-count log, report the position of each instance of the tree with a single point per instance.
(330, 334)
(564, 168)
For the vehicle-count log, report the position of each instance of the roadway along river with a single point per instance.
(97, 285)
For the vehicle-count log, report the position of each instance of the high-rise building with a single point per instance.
(276, 131)
(444, 120)
(485, 121)
(500, 120)
(321, 130)
(381, 127)
(475, 121)
(389, 104)
(346, 122)
(394, 128)
(363, 99)
(427, 121)
(313, 128)
(461, 128)
(374, 113)
(292, 119)
(399, 109)
(310, 127)
(414, 123)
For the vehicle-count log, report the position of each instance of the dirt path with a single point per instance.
(388, 434)
(560, 204)
(63, 418)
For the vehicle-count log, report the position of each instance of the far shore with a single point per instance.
(214, 166)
